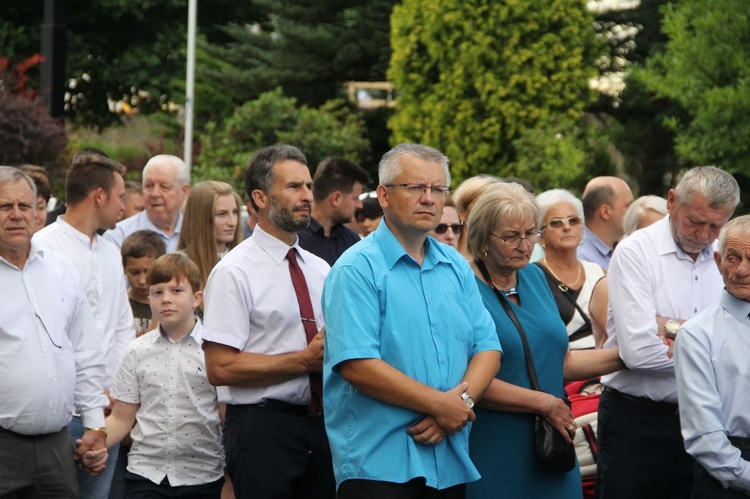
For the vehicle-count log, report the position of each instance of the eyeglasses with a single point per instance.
(365, 195)
(440, 191)
(559, 222)
(443, 228)
(514, 242)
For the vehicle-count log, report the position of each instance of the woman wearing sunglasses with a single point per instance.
(571, 280)
(450, 228)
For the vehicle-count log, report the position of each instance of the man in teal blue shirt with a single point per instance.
(409, 346)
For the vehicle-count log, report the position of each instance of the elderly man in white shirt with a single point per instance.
(166, 184)
(659, 277)
(51, 359)
(94, 190)
(713, 374)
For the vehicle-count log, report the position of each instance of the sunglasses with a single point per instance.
(443, 228)
(559, 222)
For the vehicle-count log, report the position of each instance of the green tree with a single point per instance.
(331, 130)
(705, 68)
(634, 118)
(130, 50)
(307, 48)
(474, 76)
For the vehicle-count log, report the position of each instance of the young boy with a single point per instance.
(139, 250)
(162, 387)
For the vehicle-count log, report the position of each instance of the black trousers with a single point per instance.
(276, 450)
(413, 489)
(34, 466)
(707, 487)
(139, 487)
(641, 451)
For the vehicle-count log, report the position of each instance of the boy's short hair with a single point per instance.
(174, 266)
(142, 243)
(131, 187)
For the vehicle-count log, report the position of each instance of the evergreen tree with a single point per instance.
(705, 68)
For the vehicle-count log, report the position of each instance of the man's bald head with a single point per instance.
(605, 201)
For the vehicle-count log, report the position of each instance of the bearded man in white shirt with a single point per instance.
(51, 359)
(659, 277)
(94, 191)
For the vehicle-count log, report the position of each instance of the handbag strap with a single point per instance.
(577, 335)
(512, 316)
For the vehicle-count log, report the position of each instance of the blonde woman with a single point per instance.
(465, 197)
(210, 227)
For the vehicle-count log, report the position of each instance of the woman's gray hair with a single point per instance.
(548, 199)
(183, 172)
(718, 187)
(499, 202)
(389, 166)
(739, 225)
(639, 208)
(11, 175)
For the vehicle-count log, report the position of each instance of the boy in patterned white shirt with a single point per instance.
(162, 387)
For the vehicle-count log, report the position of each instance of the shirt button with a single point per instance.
(436, 331)
(696, 278)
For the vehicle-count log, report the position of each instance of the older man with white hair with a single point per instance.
(166, 184)
(711, 363)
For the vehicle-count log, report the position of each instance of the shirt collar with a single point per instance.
(666, 243)
(598, 244)
(393, 251)
(196, 333)
(276, 248)
(738, 308)
(35, 251)
(77, 234)
(145, 221)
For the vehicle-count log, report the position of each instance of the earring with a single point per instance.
(484, 253)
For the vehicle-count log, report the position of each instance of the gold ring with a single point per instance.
(569, 427)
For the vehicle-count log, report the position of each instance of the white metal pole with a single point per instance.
(190, 84)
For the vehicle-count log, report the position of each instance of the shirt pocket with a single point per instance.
(455, 313)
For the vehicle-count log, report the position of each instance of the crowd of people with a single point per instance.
(404, 342)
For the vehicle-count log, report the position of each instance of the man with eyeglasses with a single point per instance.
(605, 202)
(408, 345)
(52, 362)
(659, 277)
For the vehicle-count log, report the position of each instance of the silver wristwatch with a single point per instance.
(468, 399)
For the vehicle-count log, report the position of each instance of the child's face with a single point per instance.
(135, 271)
(172, 302)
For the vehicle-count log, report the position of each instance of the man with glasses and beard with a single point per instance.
(263, 343)
(659, 277)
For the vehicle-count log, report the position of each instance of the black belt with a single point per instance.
(742, 443)
(271, 405)
(645, 402)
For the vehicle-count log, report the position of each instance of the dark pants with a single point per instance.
(641, 451)
(707, 487)
(37, 466)
(139, 487)
(413, 489)
(275, 450)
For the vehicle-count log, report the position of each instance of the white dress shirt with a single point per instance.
(51, 361)
(178, 431)
(250, 305)
(99, 267)
(140, 221)
(712, 362)
(649, 276)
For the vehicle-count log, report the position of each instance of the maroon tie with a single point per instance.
(308, 320)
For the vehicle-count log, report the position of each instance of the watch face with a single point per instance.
(671, 327)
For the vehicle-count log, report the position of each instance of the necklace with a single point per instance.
(509, 291)
(561, 285)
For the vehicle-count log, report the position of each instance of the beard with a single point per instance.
(285, 219)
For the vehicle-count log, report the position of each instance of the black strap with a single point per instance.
(512, 316)
(586, 329)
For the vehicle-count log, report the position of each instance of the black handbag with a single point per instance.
(585, 329)
(552, 451)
